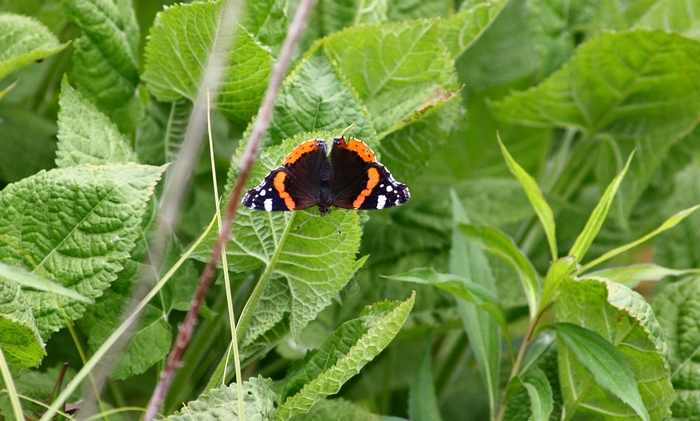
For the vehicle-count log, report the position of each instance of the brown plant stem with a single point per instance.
(249, 156)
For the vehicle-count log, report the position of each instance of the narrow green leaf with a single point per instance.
(105, 70)
(24, 41)
(222, 403)
(11, 390)
(544, 212)
(31, 280)
(540, 392)
(668, 224)
(559, 270)
(178, 50)
(641, 272)
(607, 366)
(626, 323)
(388, 319)
(19, 335)
(595, 221)
(85, 135)
(494, 241)
(422, 402)
(460, 287)
(469, 261)
(460, 31)
(76, 227)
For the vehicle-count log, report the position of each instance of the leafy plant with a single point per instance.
(545, 144)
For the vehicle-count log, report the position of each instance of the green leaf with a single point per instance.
(497, 243)
(469, 261)
(180, 44)
(460, 31)
(222, 403)
(311, 264)
(607, 366)
(626, 323)
(418, 9)
(631, 89)
(24, 41)
(337, 410)
(27, 142)
(385, 320)
(422, 402)
(396, 69)
(267, 21)
(36, 385)
(316, 97)
(680, 16)
(595, 221)
(105, 70)
(76, 227)
(668, 224)
(85, 135)
(21, 342)
(560, 269)
(28, 279)
(534, 194)
(677, 307)
(640, 272)
(540, 393)
(335, 15)
(460, 287)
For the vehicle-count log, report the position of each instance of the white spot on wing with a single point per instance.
(381, 201)
(263, 192)
(389, 189)
(268, 205)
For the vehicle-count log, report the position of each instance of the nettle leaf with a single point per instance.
(177, 53)
(627, 322)
(85, 135)
(24, 40)
(104, 61)
(222, 403)
(677, 307)
(267, 21)
(679, 16)
(337, 360)
(634, 88)
(331, 16)
(316, 97)
(461, 30)
(418, 9)
(312, 263)
(21, 342)
(337, 410)
(74, 226)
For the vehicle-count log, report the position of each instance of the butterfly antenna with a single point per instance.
(307, 220)
(334, 224)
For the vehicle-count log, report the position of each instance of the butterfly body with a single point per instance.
(352, 179)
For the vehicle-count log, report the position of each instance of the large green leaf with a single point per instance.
(677, 307)
(85, 135)
(627, 322)
(24, 41)
(337, 410)
(74, 226)
(634, 89)
(178, 51)
(681, 16)
(338, 360)
(267, 21)
(397, 69)
(105, 69)
(222, 403)
(335, 15)
(20, 339)
(461, 30)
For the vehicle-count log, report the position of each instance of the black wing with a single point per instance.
(359, 181)
(293, 186)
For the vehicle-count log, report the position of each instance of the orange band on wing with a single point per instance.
(359, 147)
(299, 151)
(373, 175)
(279, 186)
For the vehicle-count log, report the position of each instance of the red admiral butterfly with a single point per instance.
(353, 179)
